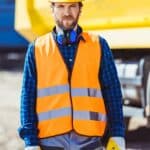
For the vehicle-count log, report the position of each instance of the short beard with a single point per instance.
(72, 26)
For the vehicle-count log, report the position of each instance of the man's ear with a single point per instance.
(80, 10)
(52, 9)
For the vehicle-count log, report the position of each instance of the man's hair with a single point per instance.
(80, 4)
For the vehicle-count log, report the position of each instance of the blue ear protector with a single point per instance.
(68, 37)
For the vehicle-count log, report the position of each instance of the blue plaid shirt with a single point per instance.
(111, 92)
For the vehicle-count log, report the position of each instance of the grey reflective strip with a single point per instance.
(86, 92)
(89, 115)
(54, 114)
(53, 90)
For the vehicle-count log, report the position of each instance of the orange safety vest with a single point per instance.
(69, 102)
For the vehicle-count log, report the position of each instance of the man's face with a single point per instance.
(66, 14)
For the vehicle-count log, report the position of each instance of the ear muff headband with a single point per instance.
(68, 37)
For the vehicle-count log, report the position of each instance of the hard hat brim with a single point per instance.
(65, 1)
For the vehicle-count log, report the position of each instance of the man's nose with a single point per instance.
(67, 11)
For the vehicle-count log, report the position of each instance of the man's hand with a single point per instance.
(116, 143)
(33, 148)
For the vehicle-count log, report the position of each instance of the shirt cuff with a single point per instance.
(31, 141)
(33, 148)
(120, 141)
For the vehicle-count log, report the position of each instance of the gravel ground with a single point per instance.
(10, 83)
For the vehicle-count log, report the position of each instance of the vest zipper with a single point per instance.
(69, 80)
(69, 74)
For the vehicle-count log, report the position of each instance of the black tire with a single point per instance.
(146, 83)
(146, 72)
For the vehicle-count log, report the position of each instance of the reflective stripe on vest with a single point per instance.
(54, 114)
(65, 88)
(86, 92)
(52, 90)
(64, 105)
(89, 115)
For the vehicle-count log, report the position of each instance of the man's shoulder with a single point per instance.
(96, 35)
(42, 39)
(90, 36)
(43, 36)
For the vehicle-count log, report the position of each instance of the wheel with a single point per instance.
(147, 109)
(146, 81)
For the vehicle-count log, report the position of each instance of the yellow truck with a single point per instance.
(126, 26)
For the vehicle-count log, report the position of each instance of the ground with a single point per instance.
(10, 86)
(9, 110)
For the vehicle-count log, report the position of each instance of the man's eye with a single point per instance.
(60, 6)
(73, 6)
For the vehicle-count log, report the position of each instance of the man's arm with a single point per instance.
(28, 129)
(111, 91)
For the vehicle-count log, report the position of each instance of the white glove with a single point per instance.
(33, 148)
(117, 142)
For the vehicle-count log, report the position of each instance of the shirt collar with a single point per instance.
(78, 29)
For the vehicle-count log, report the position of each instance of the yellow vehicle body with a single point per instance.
(116, 20)
(125, 24)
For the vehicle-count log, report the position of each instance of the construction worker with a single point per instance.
(70, 90)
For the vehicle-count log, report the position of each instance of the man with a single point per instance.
(70, 88)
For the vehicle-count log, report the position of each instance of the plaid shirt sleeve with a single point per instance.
(111, 91)
(28, 131)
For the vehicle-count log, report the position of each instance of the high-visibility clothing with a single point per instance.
(67, 101)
